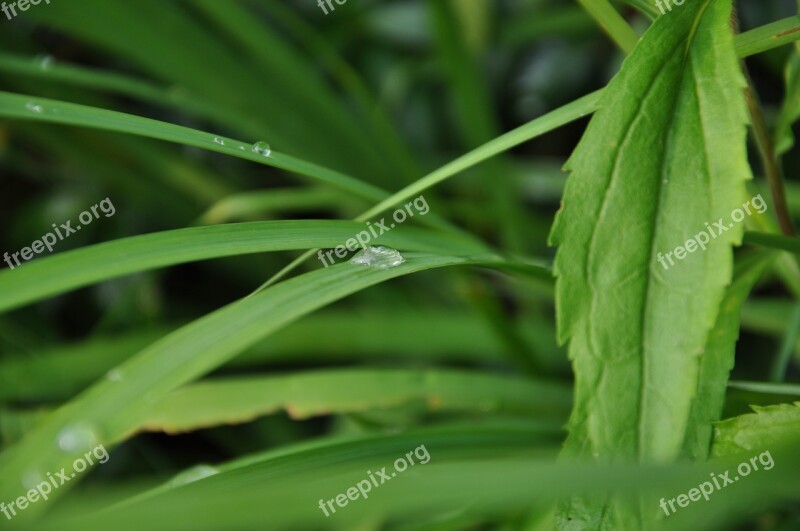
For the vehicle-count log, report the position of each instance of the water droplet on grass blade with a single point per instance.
(115, 375)
(77, 437)
(44, 61)
(218, 140)
(195, 473)
(378, 258)
(262, 148)
(31, 478)
(34, 107)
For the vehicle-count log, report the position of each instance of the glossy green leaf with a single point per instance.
(663, 156)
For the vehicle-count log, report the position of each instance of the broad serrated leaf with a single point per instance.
(768, 427)
(662, 158)
(718, 356)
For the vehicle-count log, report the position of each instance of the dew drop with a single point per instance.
(262, 148)
(77, 438)
(378, 257)
(31, 478)
(193, 474)
(218, 140)
(34, 107)
(44, 61)
(115, 375)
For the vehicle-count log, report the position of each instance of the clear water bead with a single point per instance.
(34, 107)
(115, 375)
(44, 61)
(193, 474)
(77, 437)
(31, 478)
(378, 257)
(262, 148)
(218, 140)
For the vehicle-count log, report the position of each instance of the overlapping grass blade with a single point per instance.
(343, 391)
(373, 337)
(308, 394)
(465, 468)
(23, 107)
(110, 409)
(63, 272)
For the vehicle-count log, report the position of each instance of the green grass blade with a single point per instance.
(308, 394)
(380, 335)
(544, 124)
(49, 71)
(263, 203)
(21, 107)
(773, 241)
(769, 36)
(63, 272)
(612, 23)
(110, 410)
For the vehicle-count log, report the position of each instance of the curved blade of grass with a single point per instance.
(16, 106)
(773, 241)
(646, 7)
(271, 52)
(59, 372)
(476, 116)
(307, 35)
(612, 23)
(23, 107)
(768, 36)
(425, 336)
(748, 43)
(30, 108)
(330, 464)
(767, 388)
(314, 393)
(70, 270)
(138, 35)
(246, 205)
(110, 409)
(783, 136)
(552, 120)
(544, 124)
(309, 394)
(48, 70)
(490, 469)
